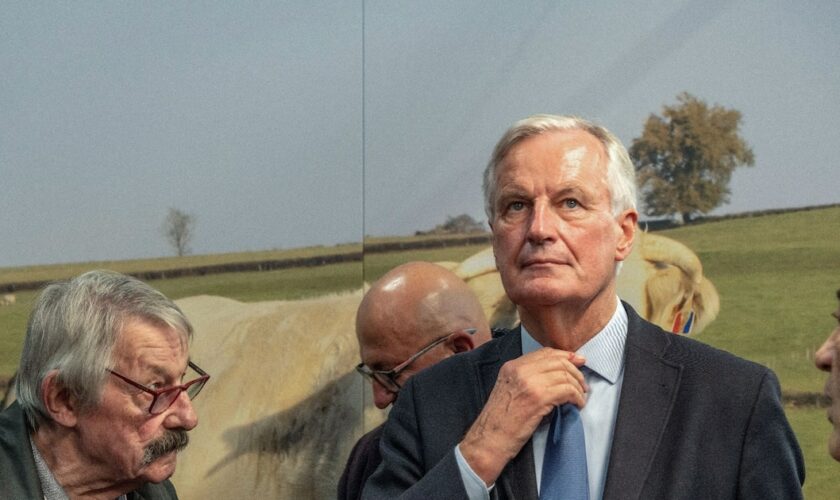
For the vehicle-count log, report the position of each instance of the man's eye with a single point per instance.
(570, 203)
(516, 206)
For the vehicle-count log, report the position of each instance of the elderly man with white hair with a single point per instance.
(584, 399)
(104, 394)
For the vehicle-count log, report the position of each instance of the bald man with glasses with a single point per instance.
(104, 394)
(411, 318)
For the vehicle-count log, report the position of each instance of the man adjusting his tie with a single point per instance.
(584, 399)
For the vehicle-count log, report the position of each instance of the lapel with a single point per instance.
(647, 397)
(518, 480)
(17, 463)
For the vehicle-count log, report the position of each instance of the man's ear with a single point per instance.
(61, 405)
(627, 228)
(461, 342)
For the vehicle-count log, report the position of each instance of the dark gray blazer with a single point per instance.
(18, 477)
(693, 422)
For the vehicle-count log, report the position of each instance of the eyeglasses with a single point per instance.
(162, 399)
(388, 378)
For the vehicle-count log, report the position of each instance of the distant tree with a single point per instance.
(685, 157)
(178, 230)
(460, 224)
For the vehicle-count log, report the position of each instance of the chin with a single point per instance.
(541, 293)
(161, 469)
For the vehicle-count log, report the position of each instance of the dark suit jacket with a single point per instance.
(18, 476)
(693, 422)
(364, 459)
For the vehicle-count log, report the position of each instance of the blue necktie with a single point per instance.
(564, 474)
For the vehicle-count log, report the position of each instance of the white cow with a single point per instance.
(7, 299)
(283, 408)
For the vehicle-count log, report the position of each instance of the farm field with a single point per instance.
(61, 271)
(776, 276)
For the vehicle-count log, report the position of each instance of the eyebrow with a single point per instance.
(511, 191)
(576, 190)
(160, 371)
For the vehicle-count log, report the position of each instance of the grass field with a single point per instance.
(62, 271)
(776, 275)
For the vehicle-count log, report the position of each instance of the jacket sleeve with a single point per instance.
(771, 461)
(403, 472)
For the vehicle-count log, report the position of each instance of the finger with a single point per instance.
(561, 387)
(546, 353)
(576, 359)
(555, 361)
(576, 398)
(543, 379)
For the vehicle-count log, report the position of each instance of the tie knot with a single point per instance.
(569, 409)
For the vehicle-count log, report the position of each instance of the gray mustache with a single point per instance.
(171, 441)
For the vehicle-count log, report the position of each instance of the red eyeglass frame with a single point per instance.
(157, 393)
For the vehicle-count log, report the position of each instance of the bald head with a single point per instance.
(411, 306)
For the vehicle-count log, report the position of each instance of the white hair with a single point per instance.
(73, 329)
(621, 175)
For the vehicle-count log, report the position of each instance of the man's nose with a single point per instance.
(382, 397)
(825, 354)
(540, 227)
(181, 414)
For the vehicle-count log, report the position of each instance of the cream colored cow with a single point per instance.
(284, 407)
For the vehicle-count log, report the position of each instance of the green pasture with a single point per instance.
(776, 276)
(62, 271)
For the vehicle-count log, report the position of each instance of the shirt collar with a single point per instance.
(604, 352)
(52, 490)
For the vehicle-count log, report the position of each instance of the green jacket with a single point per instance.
(18, 477)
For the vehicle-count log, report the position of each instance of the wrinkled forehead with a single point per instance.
(553, 158)
(144, 341)
(572, 148)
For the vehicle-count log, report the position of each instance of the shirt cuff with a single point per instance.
(476, 489)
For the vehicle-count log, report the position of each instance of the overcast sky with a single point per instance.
(287, 124)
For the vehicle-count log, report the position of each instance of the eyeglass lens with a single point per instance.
(165, 399)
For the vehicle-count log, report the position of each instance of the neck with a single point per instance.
(79, 475)
(567, 325)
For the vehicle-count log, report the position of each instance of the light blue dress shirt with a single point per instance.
(604, 372)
